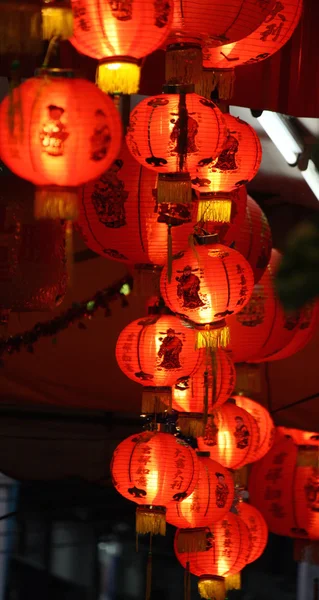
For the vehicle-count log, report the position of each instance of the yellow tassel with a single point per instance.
(20, 28)
(308, 457)
(212, 588)
(211, 337)
(218, 210)
(151, 520)
(183, 63)
(156, 400)
(233, 582)
(148, 586)
(174, 188)
(204, 86)
(224, 82)
(147, 280)
(54, 202)
(57, 21)
(192, 540)
(191, 425)
(118, 77)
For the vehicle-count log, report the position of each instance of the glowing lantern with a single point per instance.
(210, 386)
(119, 34)
(231, 437)
(154, 469)
(220, 62)
(284, 485)
(257, 528)
(118, 218)
(210, 501)
(208, 284)
(210, 217)
(236, 165)
(213, 22)
(264, 422)
(62, 132)
(227, 551)
(172, 134)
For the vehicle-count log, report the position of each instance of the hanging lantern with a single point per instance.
(219, 63)
(257, 528)
(172, 134)
(153, 469)
(227, 550)
(264, 422)
(195, 23)
(253, 239)
(211, 213)
(33, 257)
(155, 351)
(236, 165)
(209, 283)
(210, 386)
(119, 35)
(58, 131)
(284, 486)
(118, 217)
(231, 437)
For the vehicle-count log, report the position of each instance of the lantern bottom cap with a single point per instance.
(57, 21)
(54, 202)
(210, 586)
(151, 519)
(118, 76)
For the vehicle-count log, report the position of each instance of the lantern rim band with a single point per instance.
(211, 326)
(215, 196)
(215, 69)
(211, 578)
(155, 388)
(148, 267)
(55, 72)
(161, 510)
(202, 454)
(206, 239)
(119, 59)
(178, 88)
(177, 177)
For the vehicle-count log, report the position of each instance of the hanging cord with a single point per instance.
(148, 589)
(53, 44)
(169, 253)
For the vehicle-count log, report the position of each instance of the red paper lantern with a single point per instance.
(231, 436)
(118, 218)
(237, 163)
(274, 32)
(284, 486)
(120, 34)
(210, 501)
(226, 554)
(153, 469)
(63, 132)
(172, 134)
(226, 230)
(264, 422)
(257, 528)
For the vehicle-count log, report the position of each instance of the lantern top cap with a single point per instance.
(179, 88)
(57, 73)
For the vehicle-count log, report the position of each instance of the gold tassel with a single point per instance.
(20, 28)
(183, 63)
(224, 82)
(148, 586)
(147, 280)
(169, 253)
(54, 202)
(214, 209)
(151, 520)
(210, 337)
(174, 188)
(57, 21)
(192, 540)
(191, 425)
(156, 400)
(212, 588)
(233, 582)
(118, 77)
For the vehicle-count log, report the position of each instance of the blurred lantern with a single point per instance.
(211, 212)
(58, 131)
(264, 422)
(284, 485)
(210, 386)
(209, 283)
(231, 436)
(33, 260)
(235, 166)
(227, 551)
(119, 34)
(155, 351)
(300, 437)
(219, 63)
(153, 469)
(196, 24)
(257, 528)
(172, 134)
(253, 239)
(210, 501)
(262, 328)
(118, 217)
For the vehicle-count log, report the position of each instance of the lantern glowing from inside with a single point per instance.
(226, 230)
(284, 487)
(264, 422)
(118, 218)
(208, 283)
(119, 35)
(172, 134)
(62, 132)
(210, 501)
(236, 165)
(231, 436)
(153, 469)
(257, 528)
